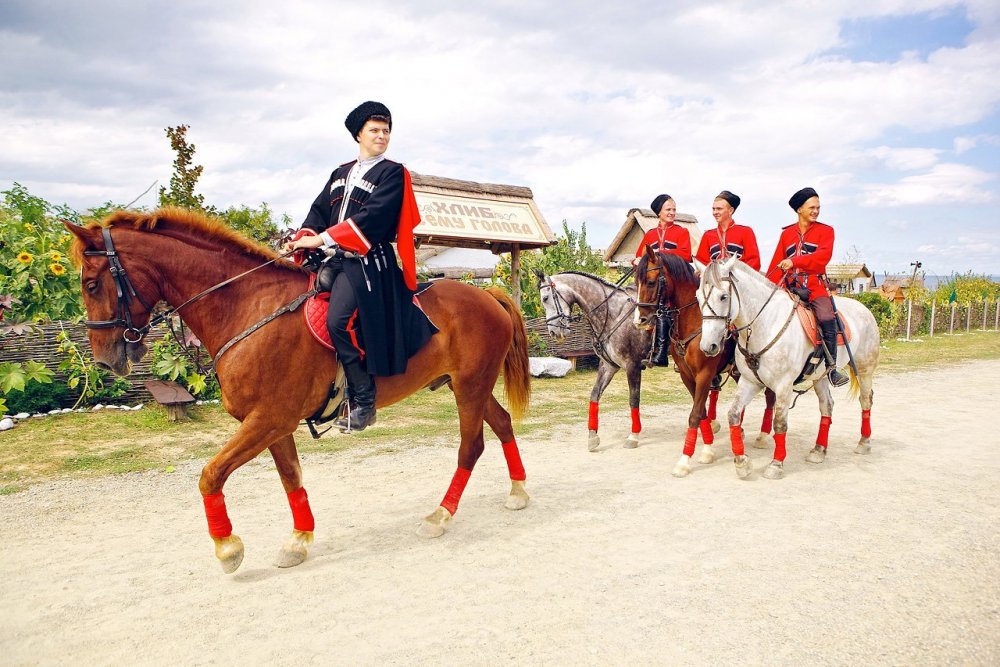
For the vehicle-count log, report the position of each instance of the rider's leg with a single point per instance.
(342, 321)
(661, 343)
(823, 307)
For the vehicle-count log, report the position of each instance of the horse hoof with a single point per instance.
(294, 551)
(744, 466)
(593, 441)
(816, 455)
(762, 441)
(864, 446)
(434, 524)
(706, 456)
(229, 551)
(632, 441)
(775, 470)
(716, 426)
(681, 470)
(518, 498)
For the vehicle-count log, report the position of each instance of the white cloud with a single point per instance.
(944, 184)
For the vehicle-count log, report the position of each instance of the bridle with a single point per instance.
(659, 301)
(126, 291)
(564, 318)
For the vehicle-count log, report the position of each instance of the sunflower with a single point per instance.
(24, 258)
(57, 269)
(28, 227)
(55, 256)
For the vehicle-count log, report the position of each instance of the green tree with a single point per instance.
(967, 287)
(186, 173)
(571, 252)
(258, 224)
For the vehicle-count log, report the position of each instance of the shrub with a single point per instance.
(37, 397)
(881, 308)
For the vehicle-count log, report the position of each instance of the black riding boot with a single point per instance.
(829, 328)
(361, 390)
(661, 343)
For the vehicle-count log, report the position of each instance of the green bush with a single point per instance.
(881, 308)
(37, 397)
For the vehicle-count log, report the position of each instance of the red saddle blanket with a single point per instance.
(808, 320)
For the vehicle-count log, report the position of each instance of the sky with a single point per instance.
(889, 108)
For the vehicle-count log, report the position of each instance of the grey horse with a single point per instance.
(618, 344)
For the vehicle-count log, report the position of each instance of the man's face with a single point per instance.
(810, 209)
(374, 138)
(722, 211)
(668, 213)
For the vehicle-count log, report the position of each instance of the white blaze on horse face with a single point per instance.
(556, 313)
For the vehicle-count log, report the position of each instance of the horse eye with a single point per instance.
(91, 285)
(723, 297)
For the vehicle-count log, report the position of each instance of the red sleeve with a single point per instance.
(702, 254)
(751, 256)
(648, 238)
(773, 272)
(816, 262)
(682, 238)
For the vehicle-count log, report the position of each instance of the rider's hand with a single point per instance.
(785, 264)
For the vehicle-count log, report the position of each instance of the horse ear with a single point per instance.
(85, 234)
(650, 253)
(539, 274)
(730, 263)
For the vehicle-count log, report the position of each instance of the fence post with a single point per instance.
(996, 318)
(968, 317)
(933, 313)
(951, 327)
(909, 316)
(984, 314)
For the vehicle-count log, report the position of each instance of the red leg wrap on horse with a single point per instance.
(866, 423)
(736, 437)
(592, 420)
(689, 441)
(215, 511)
(713, 400)
(706, 432)
(779, 446)
(456, 489)
(302, 515)
(824, 431)
(514, 464)
(765, 423)
(636, 423)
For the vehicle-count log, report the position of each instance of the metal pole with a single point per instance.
(515, 272)
(909, 316)
(933, 313)
(951, 327)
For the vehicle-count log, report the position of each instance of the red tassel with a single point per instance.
(689, 441)
(636, 422)
(866, 423)
(514, 465)
(824, 431)
(456, 489)
(736, 437)
(218, 519)
(765, 424)
(592, 419)
(302, 516)
(706, 432)
(779, 446)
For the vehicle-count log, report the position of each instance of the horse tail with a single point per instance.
(855, 389)
(516, 367)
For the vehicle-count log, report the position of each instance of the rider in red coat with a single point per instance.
(670, 239)
(728, 238)
(799, 263)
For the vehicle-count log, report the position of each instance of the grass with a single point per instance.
(81, 445)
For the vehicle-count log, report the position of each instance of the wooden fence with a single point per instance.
(934, 318)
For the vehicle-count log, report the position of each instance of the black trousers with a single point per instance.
(342, 320)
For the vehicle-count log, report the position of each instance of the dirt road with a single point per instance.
(891, 558)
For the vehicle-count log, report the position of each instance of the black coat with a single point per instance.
(392, 326)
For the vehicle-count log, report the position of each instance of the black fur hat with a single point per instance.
(658, 203)
(733, 200)
(357, 118)
(801, 197)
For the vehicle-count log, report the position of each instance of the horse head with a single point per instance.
(556, 306)
(118, 295)
(718, 306)
(663, 281)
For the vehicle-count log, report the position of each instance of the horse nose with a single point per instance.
(711, 350)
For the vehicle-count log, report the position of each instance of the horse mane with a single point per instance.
(604, 282)
(173, 218)
(680, 272)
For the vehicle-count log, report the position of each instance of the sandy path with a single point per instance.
(893, 558)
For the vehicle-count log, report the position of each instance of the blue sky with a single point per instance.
(889, 108)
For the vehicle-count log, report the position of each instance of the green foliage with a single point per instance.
(968, 287)
(886, 316)
(190, 367)
(186, 174)
(19, 380)
(570, 253)
(79, 369)
(37, 397)
(258, 224)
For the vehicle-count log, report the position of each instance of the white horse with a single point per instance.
(772, 349)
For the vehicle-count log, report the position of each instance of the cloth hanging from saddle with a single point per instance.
(808, 320)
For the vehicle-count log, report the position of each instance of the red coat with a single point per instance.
(672, 240)
(739, 240)
(809, 252)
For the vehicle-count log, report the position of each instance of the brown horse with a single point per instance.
(279, 375)
(668, 282)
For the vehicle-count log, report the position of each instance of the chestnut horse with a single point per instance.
(279, 374)
(668, 282)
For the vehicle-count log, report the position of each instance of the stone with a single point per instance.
(552, 367)
(6, 424)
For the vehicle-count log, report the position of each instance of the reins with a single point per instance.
(600, 337)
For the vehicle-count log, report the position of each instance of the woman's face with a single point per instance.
(668, 213)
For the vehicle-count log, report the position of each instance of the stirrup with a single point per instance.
(836, 379)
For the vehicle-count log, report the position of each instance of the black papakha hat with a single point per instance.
(658, 203)
(357, 118)
(733, 200)
(801, 197)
